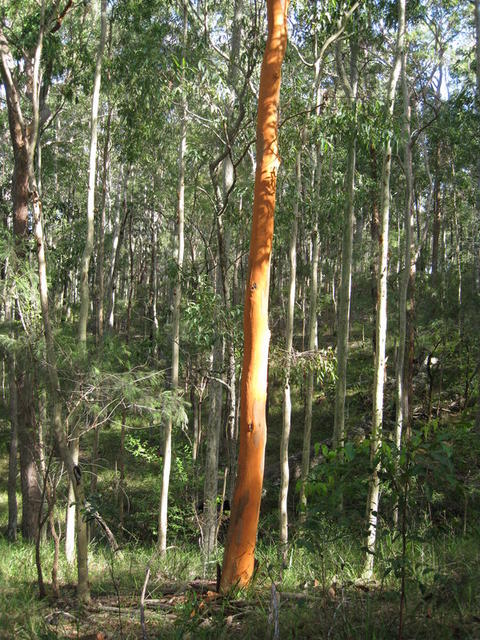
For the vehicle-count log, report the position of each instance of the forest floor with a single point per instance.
(179, 604)
(319, 594)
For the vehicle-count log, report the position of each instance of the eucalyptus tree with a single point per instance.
(222, 174)
(25, 136)
(401, 400)
(92, 174)
(238, 561)
(289, 327)
(350, 86)
(85, 262)
(331, 27)
(177, 293)
(381, 317)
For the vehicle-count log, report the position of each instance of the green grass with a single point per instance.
(320, 596)
(443, 593)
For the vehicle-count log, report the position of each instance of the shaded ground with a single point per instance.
(195, 611)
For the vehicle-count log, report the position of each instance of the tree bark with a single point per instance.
(117, 240)
(71, 510)
(381, 318)
(212, 442)
(312, 346)
(401, 393)
(153, 294)
(345, 291)
(100, 264)
(374, 234)
(92, 172)
(287, 402)
(20, 131)
(238, 561)
(28, 448)
(177, 296)
(29, 141)
(13, 455)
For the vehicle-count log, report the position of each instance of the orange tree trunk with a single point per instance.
(238, 560)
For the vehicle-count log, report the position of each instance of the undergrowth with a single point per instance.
(319, 595)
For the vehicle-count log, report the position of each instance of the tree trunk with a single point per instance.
(74, 471)
(222, 195)
(381, 318)
(100, 266)
(28, 448)
(401, 392)
(287, 402)
(477, 201)
(153, 295)
(71, 510)
(437, 223)
(94, 477)
(374, 234)
(13, 455)
(312, 346)
(121, 471)
(131, 278)
(29, 141)
(177, 295)
(117, 239)
(92, 171)
(347, 251)
(212, 441)
(238, 561)
(19, 135)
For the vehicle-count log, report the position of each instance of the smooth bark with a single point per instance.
(13, 455)
(287, 402)
(381, 317)
(100, 266)
(92, 171)
(212, 445)
(312, 346)
(401, 409)
(345, 290)
(70, 521)
(177, 296)
(117, 241)
(238, 561)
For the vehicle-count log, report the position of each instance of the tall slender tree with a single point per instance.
(381, 317)
(287, 401)
(177, 295)
(92, 174)
(350, 86)
(238, 561)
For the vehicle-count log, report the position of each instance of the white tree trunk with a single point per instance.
(312, 345)
(381, 315)
(92, 170)
(177, 295)
(70, 518)
(345, 289)
(287, 403)
(212, 443)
